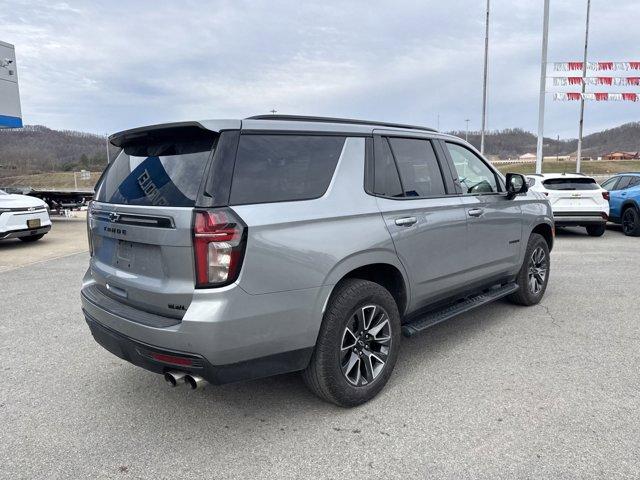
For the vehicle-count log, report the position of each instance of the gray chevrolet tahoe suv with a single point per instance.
(226, 250)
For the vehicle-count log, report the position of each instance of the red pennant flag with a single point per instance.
(633, 80)
(634, 65)
(575, 80)
(605, 65)
(605, 80)
(575, 65)
(602, 97)
(632, 97)
(573, 96)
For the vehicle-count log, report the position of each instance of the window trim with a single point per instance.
(378, 137)
(497, 175)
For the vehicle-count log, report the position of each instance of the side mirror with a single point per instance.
(516, 184)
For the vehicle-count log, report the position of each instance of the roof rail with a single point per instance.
(627, 173)
(303, 118)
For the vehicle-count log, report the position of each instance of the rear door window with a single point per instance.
(635, 181)
(571, 184)
(280, 168)
(624, 183)
(387, 181)
(610, 184)
(418, 166)
(166, 174)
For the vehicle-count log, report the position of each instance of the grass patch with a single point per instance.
(52, 180)
(600, 168)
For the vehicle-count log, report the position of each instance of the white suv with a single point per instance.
(576, 200)
(23, 217)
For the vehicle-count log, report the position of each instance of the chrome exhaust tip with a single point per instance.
(174, 378)
(195, 381)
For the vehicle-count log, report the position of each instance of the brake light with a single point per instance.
(605, 195)
(219, 239)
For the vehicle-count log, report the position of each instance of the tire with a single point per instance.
(596, 230)
(631, 222)
(32, 238)
(531, 293)
(333, 369)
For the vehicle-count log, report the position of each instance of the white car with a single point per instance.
(576, 200)
(23, 217)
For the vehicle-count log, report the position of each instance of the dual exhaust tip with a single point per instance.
(175, 378)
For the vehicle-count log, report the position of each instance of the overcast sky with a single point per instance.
(107, 66)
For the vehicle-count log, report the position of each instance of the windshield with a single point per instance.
(571, 184)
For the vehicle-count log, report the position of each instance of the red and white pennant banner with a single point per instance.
(615, 81)
(599, 66)
(598, 97)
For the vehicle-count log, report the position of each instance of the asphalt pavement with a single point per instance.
(551, 391)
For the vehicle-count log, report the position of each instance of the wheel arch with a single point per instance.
(547, 232)
(385, 270)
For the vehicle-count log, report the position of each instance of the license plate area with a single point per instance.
(33, 223)
(124, 253)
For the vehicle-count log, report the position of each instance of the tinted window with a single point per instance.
(610, 184)
(156, 175)
(623, 183)
(571, 184)
(635, 181)
(419, 170)
(387, 182)
(474, 175)
(277, 168)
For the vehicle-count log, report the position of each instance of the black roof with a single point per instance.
(303, 118)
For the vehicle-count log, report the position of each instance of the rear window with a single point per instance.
(571, 184)
(164, 174)
(280, 168)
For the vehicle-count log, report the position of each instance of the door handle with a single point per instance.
(406, 221)
(476, 212)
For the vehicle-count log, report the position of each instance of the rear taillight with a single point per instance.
(219, 239)
(605, 195)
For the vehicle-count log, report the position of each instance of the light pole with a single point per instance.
(543, 85)
(584, 74)
(484, 81)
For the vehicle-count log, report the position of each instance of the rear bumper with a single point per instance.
(141, 355)
(568, 219)
(26, 232)
(250, 336)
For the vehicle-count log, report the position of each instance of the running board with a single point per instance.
(425, 321)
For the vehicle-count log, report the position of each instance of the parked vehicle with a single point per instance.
(231, 250)
(576, 200)
(624, 201)
(23, 217)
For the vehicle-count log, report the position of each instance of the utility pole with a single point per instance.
(558, 149)
(273, 111)
(484, 81)
(543, 86)
(466, 134)
(584, 74)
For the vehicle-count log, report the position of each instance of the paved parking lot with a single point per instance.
(550, 391)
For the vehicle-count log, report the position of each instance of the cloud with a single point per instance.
(105, 66)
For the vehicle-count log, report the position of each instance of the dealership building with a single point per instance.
(10, 113)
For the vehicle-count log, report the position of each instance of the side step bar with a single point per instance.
(431, 318)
